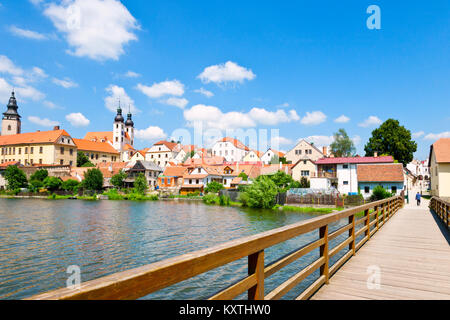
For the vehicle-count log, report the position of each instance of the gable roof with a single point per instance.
(170, 145)
(98, 136)
(441, 150)
(174, 171)
(33, 137)
(236, 143)
(343, 160)
(88, 145)
(301, 160)
(392, 172)
(311, 144)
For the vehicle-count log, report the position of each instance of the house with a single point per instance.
(252, 156)
(109, 169)
(139, 155)
(3, 167)
(163, 152)
(231, 149)
(41, 147)
(390, 176)
(341, 173)
(304, 168)
(421, 170)
(303, 150)
(439, 163)
(267, 157)
(150, 170)
(171, 179)
(196, 179)
(274, 168)
(97, 151)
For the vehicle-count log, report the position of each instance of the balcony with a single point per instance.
(324, 174)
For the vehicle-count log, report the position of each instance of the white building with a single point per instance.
(267, 157)
(421, 170)
(163, 152)
(231, 149)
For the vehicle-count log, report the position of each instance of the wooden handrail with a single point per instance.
(141, 281)
(442, 209)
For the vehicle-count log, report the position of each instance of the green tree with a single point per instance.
(393, 139)
(35, 185)
(213, 187)
(93, 180)
(243, 175)
(70, 185)
(140, 184)
(39, 175)
(260, 194)
(342, 146)
(282, 180)
(83, 160)
(16, 178)
(52, 183)
(379, 193)
(117, 179)
(304, 183)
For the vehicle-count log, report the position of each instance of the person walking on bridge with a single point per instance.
(418, 196)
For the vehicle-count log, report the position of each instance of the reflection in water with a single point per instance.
(39, 239)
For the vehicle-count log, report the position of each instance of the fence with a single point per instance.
(441, 208)
(139, 282)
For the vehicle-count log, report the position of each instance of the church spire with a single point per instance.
(119, 117)
(129, 122)
(11, 112)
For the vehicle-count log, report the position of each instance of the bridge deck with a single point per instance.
(413, 255)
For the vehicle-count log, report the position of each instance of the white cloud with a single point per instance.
(97, 29)
(22, 91)
(42, 122)
(418, 134)
(177, 102)
(273, 118)
(77, 120)
(279, 141)
(213, 117)
(437, 136)
(151, 134)
(157, 90)
(132, 74)
(314, 118)
(205, 92)
(65, 83)
(117, 93)
(51, 105)
(228, 72)
(7, 66)
(38, 73)
(24, 33)
(342, 119)
(370, 121)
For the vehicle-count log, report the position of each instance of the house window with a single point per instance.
(197, 181)
(366, 189)
(9, 128)
(345, 183)
(61, 162)
(31, 161)
(26, 150)
(31, 150)
(345, 166)
(304, 162)
(71, 151)
(168, 180)
(190, 181)
(305, 173)
(41, 149)
(40, 161)
(199, 170)
(394, 189)
(62, 150)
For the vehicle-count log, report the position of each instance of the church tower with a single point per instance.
(11, 123)
(129, 127)
(118, 131)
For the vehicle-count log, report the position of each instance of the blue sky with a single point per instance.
(295, 66)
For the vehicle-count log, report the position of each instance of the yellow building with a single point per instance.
(41, 147)
(97, 152)
(304, 150)
(304, 168)
(439, 163)
(252, 156)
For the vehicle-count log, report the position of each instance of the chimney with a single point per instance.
(56, 128)
(324, 150)
(375, 154)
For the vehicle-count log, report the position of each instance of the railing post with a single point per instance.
(384, 213)
(324, 269)
(366, 214)
(377, 208)
(351, 233)
(256, 266)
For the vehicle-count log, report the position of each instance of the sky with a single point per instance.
(306, 68)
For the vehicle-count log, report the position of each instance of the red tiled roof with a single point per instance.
(9, 163)
(99, 136)
(382, 159)
(88, 145)
(392, 172)
(170, 145)
(236, 143)
(33, 137)
(174, 171)
(442, 150)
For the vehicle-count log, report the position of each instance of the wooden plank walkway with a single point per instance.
(412, 254)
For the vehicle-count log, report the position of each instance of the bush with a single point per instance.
(117, 179)
(379, 193)
(224, 200)
(39, 175)
(52, 183)
(35, 185)
(210, 199)
(261, 194)
(213, 187)
(93, 180)
(70, 185)
(243, 175)
(16, 178)
(140, 184)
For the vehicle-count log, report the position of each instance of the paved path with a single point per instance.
(412, 253)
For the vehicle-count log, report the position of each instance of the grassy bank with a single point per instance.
(310, 209)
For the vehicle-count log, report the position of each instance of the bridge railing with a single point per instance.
(442, 209)
(141, 281)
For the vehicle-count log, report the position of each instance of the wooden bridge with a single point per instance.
(386, 250)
